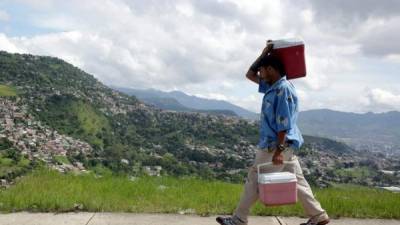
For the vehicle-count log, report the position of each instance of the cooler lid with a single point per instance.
(285, 43)
(277, 177)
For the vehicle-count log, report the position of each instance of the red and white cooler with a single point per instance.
(291, 53)
(278, 188)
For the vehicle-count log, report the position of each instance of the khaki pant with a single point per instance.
(249, 196)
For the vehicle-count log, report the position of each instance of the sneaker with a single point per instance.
(225, 221)
(323, 222)
(232, 220)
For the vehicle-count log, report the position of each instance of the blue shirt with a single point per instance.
(279, 112)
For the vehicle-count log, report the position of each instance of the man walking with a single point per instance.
(279, 139)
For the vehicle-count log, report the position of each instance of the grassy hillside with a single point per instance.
(6, 91)
(75, 117)
(45, 190)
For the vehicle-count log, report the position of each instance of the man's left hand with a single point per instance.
(277, 158)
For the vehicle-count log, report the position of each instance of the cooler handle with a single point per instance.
(270, 163)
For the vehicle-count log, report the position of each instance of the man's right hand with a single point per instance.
(277, 158)
(267, 48)
(252, 73)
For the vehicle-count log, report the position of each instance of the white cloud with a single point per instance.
(4, 16)
(205, 47)
(395, 58)
(7, 45)
(350, 14)
(378, 36)
(148, 49)
(381, 100)
(215, 96)
(38, 4)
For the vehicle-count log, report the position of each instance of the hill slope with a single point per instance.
(366, 132)
(122, 129)
(64, 108)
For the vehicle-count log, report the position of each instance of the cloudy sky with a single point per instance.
(204, 47)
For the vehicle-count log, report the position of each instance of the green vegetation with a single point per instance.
(61, 159)
(329, 145)
(122, 137)
(6, 90)
(45, 190)
(355, 174)
(75, 117)
(42, 74)
(12, 164)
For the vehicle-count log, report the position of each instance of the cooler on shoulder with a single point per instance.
(291, 53)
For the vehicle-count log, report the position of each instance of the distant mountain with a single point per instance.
(166, 103)
(174, 105)
(379, 131)
(184, 102)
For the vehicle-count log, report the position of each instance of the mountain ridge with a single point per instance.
(189, 101)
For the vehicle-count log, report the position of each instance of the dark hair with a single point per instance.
(274, 62)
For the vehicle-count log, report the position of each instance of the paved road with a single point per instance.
(86, 218)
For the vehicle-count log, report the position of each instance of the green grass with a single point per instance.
(5, 161)
(90, 120)
(45, 190)
(76, 118)
(6, 91)
(356, 173)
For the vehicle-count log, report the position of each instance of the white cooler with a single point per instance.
(277, 188)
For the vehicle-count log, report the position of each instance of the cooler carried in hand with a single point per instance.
(277, 188)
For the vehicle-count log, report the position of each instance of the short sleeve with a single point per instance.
(262, 86)
(284, 109)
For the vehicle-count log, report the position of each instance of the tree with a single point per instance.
(13, 154)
